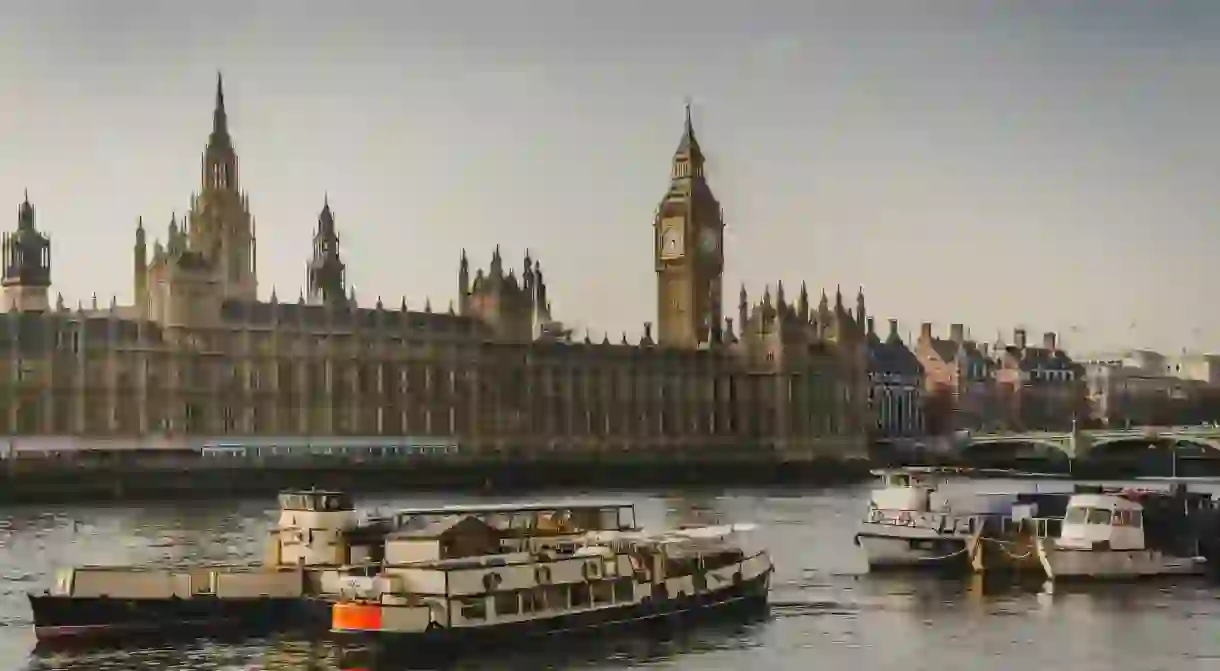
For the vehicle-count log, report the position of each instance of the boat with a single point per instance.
(1126, 534)
(913, 522)
(317, 548)
(447, 588)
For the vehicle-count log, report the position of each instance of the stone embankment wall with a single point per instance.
(51, 483)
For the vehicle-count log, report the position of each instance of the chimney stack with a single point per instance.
(1048, 341)
(925, 331)
(648, 330)
(893, 329)
(957, 333)
(1018, 338)
(871, 327)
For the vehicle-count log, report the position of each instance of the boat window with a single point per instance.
(523, 521)
(474, 609)
(1099, 516)
(1076, 515)
(580, 595)
(507, 603)
(624, 590)
(609, 519)
(499, 520)
(1137, 519)
(556, 596)
(626, 517)
(603, 592)
(532, 601)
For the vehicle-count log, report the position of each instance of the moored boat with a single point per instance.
(1113, 535)
(914, 522)
(317, 550)
(455, 590)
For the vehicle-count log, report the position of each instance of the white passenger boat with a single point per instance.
(1103, 538)
(912, 522)
(448, 587)
(318, 548)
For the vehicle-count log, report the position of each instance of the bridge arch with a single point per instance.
(1048, 445)
(1161, 441)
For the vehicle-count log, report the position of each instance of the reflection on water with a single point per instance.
(826, 611)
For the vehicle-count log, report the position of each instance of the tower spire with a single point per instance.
(220, 120)
(689, 145)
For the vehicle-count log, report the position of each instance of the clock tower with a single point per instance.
(688, 238)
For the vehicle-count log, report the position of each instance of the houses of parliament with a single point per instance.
(199, 354)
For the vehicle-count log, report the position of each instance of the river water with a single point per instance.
(827, 612)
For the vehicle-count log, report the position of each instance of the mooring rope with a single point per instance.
(948, 556)
(1005, 550)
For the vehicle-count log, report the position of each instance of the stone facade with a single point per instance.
(1039, 387)
(959, 376)
(1146, 388)
(1015, 386)
(198, 354)
(896, 385)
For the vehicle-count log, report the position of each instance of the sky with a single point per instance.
(1047, 164)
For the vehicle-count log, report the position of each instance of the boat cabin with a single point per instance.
(530, 527)
(312, 527)
(1102, 522)
(321, 528)
(452, 537)
(905, 488)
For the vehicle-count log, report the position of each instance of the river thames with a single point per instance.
(827, 612)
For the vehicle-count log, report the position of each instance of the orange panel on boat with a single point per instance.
(357, 616)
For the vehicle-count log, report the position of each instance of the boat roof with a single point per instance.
(331, 492)
(439, 528)
(1103, 499)
(540, 506)
(917, 469)
(966, 471)
(1196, 479)
(672, 536)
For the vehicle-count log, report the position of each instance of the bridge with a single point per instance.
(1081, 443)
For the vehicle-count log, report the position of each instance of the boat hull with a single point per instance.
(737, 601)
(890, 547)
(61, 620)
(1068, 564)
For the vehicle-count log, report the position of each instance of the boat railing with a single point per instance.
(1034, 527)
(941, 522)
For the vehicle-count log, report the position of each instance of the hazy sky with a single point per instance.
(1044, 163)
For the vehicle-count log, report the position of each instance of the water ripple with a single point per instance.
(826, 610)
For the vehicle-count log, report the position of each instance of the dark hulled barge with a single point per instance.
(318, 549)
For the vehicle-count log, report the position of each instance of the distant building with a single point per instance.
(1038, 388)
(1143, 387)
(896, 385)
(959, 377)
(198, 353)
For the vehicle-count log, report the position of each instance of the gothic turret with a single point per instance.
(219, 157)
(140, 268)
(463, 282)
(515, 309)
(326, 273)
(219, 224)
(27, 263)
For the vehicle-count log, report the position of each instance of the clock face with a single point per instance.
(709, 242)
(671, 242)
